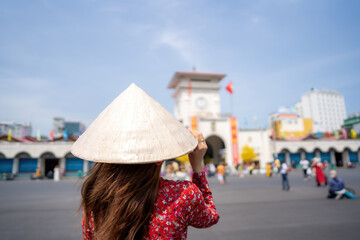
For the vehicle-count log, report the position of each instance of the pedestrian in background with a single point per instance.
(304, 163)
(284, 169)
(277, 165)
(221, 173)
(251, 169)
(268, 170)
(320, 175)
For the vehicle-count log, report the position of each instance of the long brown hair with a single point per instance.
(121, 198)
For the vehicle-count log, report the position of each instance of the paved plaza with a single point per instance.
(250, 208)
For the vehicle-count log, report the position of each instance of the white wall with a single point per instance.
(259, 139)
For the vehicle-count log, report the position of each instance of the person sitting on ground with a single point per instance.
(337, 187)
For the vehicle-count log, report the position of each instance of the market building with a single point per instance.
(23, 158)
(196, 105)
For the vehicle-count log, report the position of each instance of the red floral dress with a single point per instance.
(179, 204)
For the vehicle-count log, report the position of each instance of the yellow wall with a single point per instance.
(308, 128)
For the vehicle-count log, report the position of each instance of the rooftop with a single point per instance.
(194, 75)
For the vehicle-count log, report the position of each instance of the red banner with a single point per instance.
(189, 87)
(194, 122)
(234, 140)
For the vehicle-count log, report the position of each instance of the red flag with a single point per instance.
(52, 135)
(328, 134)
(189, 87)
(229, 88)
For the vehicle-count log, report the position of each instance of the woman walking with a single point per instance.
(124, 196)
(284, 176)
(320, 175)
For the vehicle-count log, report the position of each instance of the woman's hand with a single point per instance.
(196, 157)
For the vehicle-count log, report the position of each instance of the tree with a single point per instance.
(248, 154)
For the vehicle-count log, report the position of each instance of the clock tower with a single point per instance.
(196, 94)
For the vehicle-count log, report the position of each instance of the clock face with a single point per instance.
(201, 102)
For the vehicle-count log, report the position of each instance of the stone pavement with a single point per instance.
(250, 208)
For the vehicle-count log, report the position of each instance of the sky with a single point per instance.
(72, 58)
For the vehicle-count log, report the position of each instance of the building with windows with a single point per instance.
(73, 128)
(196, 105)
(286, 123)
(58, 127)
(17, 130)
(23, 158)
(353, 123)
(325, 107)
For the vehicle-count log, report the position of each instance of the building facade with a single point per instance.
(325, 107)
(197, 106)
(17, 130)
(74, 128)
(286, 123)
(71, 128)
(353, 123)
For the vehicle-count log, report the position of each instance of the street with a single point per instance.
(249, 208)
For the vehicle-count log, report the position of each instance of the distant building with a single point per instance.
(73, 128)
(325, 107)
(17, 130)
(353, 122)
(286, 123)
(197, 106)
(58, 127)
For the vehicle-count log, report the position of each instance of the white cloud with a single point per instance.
(181, 43)
(315, 64)
(255, 20)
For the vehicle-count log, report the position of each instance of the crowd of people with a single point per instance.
(312, 169)
(315, 169)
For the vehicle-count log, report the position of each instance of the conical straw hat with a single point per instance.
(134, 129)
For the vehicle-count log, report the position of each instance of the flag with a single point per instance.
(229, 88)
(38, 136)
(353, 133)
(189, 87)
(52, 135)
(328, 134)
(65, 135)
(319, 135)
(9, 135)
(344, 133)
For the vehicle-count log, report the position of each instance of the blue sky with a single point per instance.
(71, 58)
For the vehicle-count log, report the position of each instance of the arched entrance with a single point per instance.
(216, 149)
(72, 165)
(49, 161)
(26, 165)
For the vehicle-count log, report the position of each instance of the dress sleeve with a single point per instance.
(201, 211)
(88, 232)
